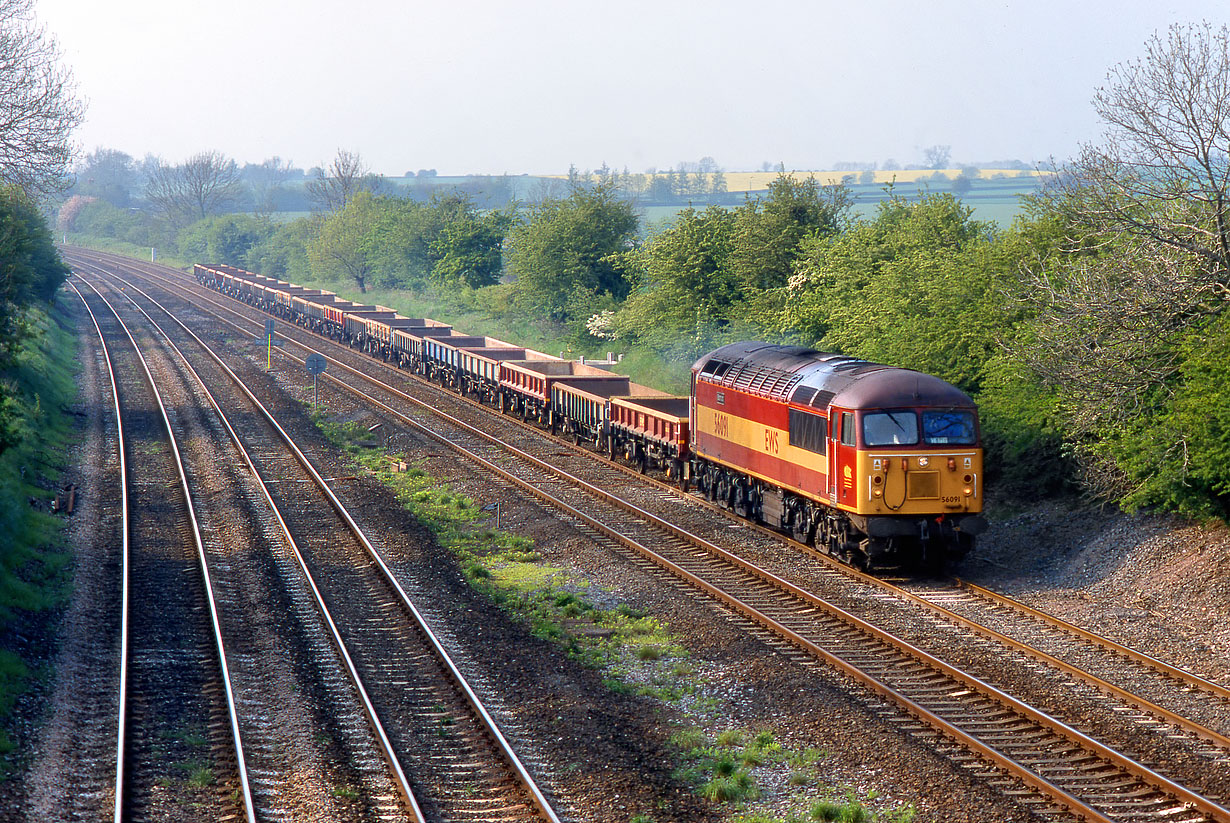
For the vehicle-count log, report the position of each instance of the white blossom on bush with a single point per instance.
(599, 325)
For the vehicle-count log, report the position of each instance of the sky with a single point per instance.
(534, 86)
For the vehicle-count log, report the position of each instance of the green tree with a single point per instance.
(101, 219)
(343, 247)
(918, 286)
(926, 286)
(569, 256)
(30, 273)
(1124, 306)
(284, 253)
(225, 239)
(467, 249)
(686, 288)
(445, 242)
(401, 243)
(768, 231)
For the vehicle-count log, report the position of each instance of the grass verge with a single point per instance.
(556, 605)
(34, 564)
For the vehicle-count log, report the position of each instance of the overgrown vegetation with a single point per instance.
(34, 580)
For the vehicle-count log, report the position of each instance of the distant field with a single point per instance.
(760, 180)
(737, 181)
(995, 194)
(991, 198)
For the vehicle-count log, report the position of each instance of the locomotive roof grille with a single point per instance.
(803, 395)
(822, 399)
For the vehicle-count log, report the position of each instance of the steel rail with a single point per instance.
(122, 721)
(1190, 678)
(385, 745)
(1022, 772)
(1099, 683)
(245, 787)
(471, 697)
(1159, 665)
(1127, 763)
(1133, 699)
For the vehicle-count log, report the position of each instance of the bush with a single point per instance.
(101, 219)
(850, 811)
(226, 239)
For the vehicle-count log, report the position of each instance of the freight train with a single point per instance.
(875, 465)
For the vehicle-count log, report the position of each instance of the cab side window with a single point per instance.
(847, 429)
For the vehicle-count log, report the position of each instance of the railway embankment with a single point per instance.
(35, 567)
(1159, 583)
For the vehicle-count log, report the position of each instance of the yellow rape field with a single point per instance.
(760, 180)
(737, 181)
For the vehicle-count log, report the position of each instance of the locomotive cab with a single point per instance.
(916, 478)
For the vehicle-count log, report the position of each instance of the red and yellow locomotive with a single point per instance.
(874, 464)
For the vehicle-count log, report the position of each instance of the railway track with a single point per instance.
(447, 758)
(174, 683)
(1058, 761)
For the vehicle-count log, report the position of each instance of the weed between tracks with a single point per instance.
(634, 650)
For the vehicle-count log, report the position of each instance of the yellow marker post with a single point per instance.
(268, 342)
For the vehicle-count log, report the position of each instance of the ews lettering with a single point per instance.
(771, 441)
(721, 425)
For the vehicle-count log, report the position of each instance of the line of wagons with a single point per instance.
(574, 399)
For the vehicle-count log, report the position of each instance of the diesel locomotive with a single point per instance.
(875, 465)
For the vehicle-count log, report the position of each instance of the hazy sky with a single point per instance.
(480, 86)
